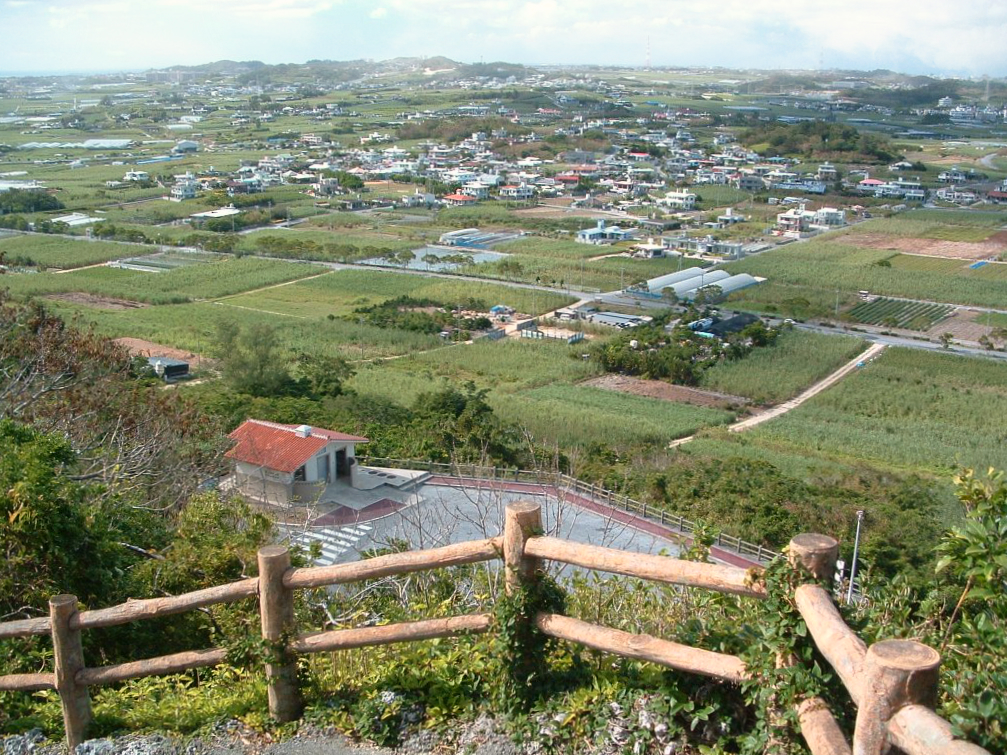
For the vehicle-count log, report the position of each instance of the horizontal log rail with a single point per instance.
(28, 682)
(165, 664)
(729, 579)
(643, 647)
(471, 552)
(893, 683)
(386, 634)
(149, 608)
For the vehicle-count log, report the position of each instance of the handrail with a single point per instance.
(892, 682)
(759, 554)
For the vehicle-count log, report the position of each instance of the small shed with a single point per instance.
(169, 369)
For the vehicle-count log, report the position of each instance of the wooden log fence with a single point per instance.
(893, 682)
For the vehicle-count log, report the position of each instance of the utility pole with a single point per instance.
(856, 550)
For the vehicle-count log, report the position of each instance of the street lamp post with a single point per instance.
(856, 550)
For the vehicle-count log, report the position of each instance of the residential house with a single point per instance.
(185, 187)
(521, 192)
(602, 234)
(459, 200)
(679, 199)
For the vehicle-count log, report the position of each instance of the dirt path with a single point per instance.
(263, 311)
(75, 269)
(275, 285)
(821, 385)
(780, 409)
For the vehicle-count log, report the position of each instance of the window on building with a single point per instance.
(300, 475)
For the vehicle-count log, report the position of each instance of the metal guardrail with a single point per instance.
(595, 493)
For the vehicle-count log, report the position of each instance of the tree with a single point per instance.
(251, 360)
(136, 440)
(323, 376)
(946, 339)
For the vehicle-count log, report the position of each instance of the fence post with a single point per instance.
(522, 520)
(816, 553)
(69, 659)
(896, 673)
(276, 608)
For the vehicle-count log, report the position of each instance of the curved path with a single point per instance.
(780, 409)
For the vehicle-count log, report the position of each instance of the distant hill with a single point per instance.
(327, 72)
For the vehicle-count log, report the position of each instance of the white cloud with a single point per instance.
(915, 36)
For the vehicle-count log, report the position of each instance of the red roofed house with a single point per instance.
(285, 464)
(458, 200)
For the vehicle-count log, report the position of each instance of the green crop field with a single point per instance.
(781, 371)
(577, 415)
(204, 281)
(538, 246)
(911, 227)
(908, 409)
(339, 293)
(900, 314)
(60, 252)
(193, 327)
(505, 367)
(825, 265)
(921, 263)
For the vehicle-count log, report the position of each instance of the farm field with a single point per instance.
(826, 265)
(908, 410)
(776, 373)
(339, 293)
(208, 280)
(57, 252)
(505, 367)
(574, 415)
(900, 314)
(193, 327)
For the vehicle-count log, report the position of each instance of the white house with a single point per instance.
(520, 191)
(286, 464)
(679, 199)
(185, 187)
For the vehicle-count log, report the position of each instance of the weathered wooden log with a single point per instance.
(27, 682)
(834, 639)
(643, 647)
(25, 627)
(69, 660)
(276, 609)
(412, 631)
(396, 563)
(816, 553)
(522, 520)
(895, 673)
(819, 728)
(164, 664)
(729, 579)
(917, 730)
(147, 608)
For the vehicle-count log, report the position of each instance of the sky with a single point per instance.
(917, 37)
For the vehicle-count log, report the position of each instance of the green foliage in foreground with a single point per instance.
(580, 700)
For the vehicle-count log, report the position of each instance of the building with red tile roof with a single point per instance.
(283, 464)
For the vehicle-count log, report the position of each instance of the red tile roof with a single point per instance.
(279, 447)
